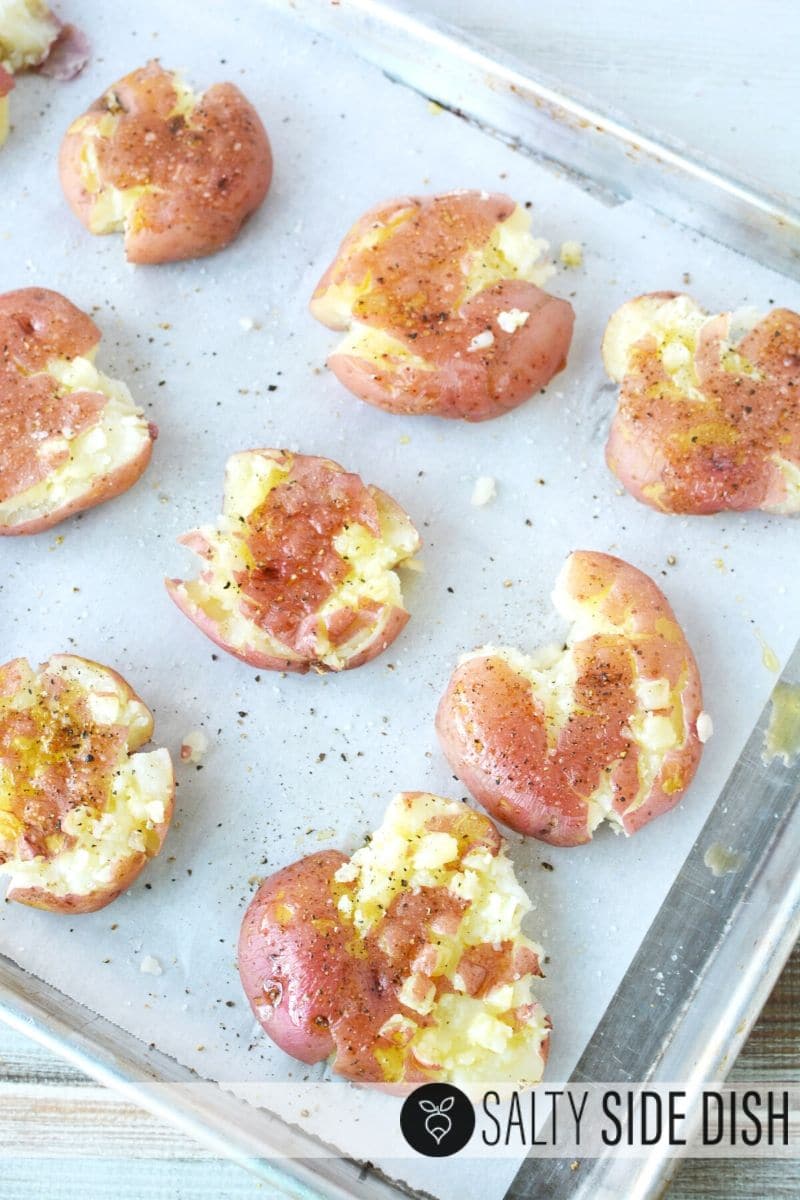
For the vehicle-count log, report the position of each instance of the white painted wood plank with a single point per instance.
(22, 1060)
(82, 1120)
(120, 1179)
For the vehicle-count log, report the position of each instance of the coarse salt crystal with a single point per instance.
(481, 341)
(512, 320)
(705, 727)
(485, 490)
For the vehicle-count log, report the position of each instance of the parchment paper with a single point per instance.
(296, 764)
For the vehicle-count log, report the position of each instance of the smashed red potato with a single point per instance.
(440, 302)
(70, 437)
(6, 86)
(299, 571)
(80, 813)
(708, 418)
(405, 963)
(602, 728)
(177, 173)
(32, 38)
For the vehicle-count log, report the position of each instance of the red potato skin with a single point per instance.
(75, 904)
(683, 456)
(6, 82)
(475, 225)
(460, 384)
(392, 620)
(36, 325)
(246, 654)
(10, 678)
(68, 55)
(393, 624)
(494, 733)
(395, 621)
(317, 995)
(483, 384)
(65, 57)
(104, 487)
(324, 999)
(274, 954)
(211, 172)
(39, 324)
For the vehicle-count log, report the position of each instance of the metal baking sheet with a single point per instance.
(601, 149)
(344, 136)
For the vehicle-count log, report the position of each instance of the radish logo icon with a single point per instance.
(437, 1120)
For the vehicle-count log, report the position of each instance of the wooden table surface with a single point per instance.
(722, 77)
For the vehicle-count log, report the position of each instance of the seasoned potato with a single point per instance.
(80, 813)
(70, 437)
(440, 302)
(6, 86)
(177, 173)
(601, 728)
(33, 38)
(299, 571)
(405, 963)
(28, 31)
(708, 418)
